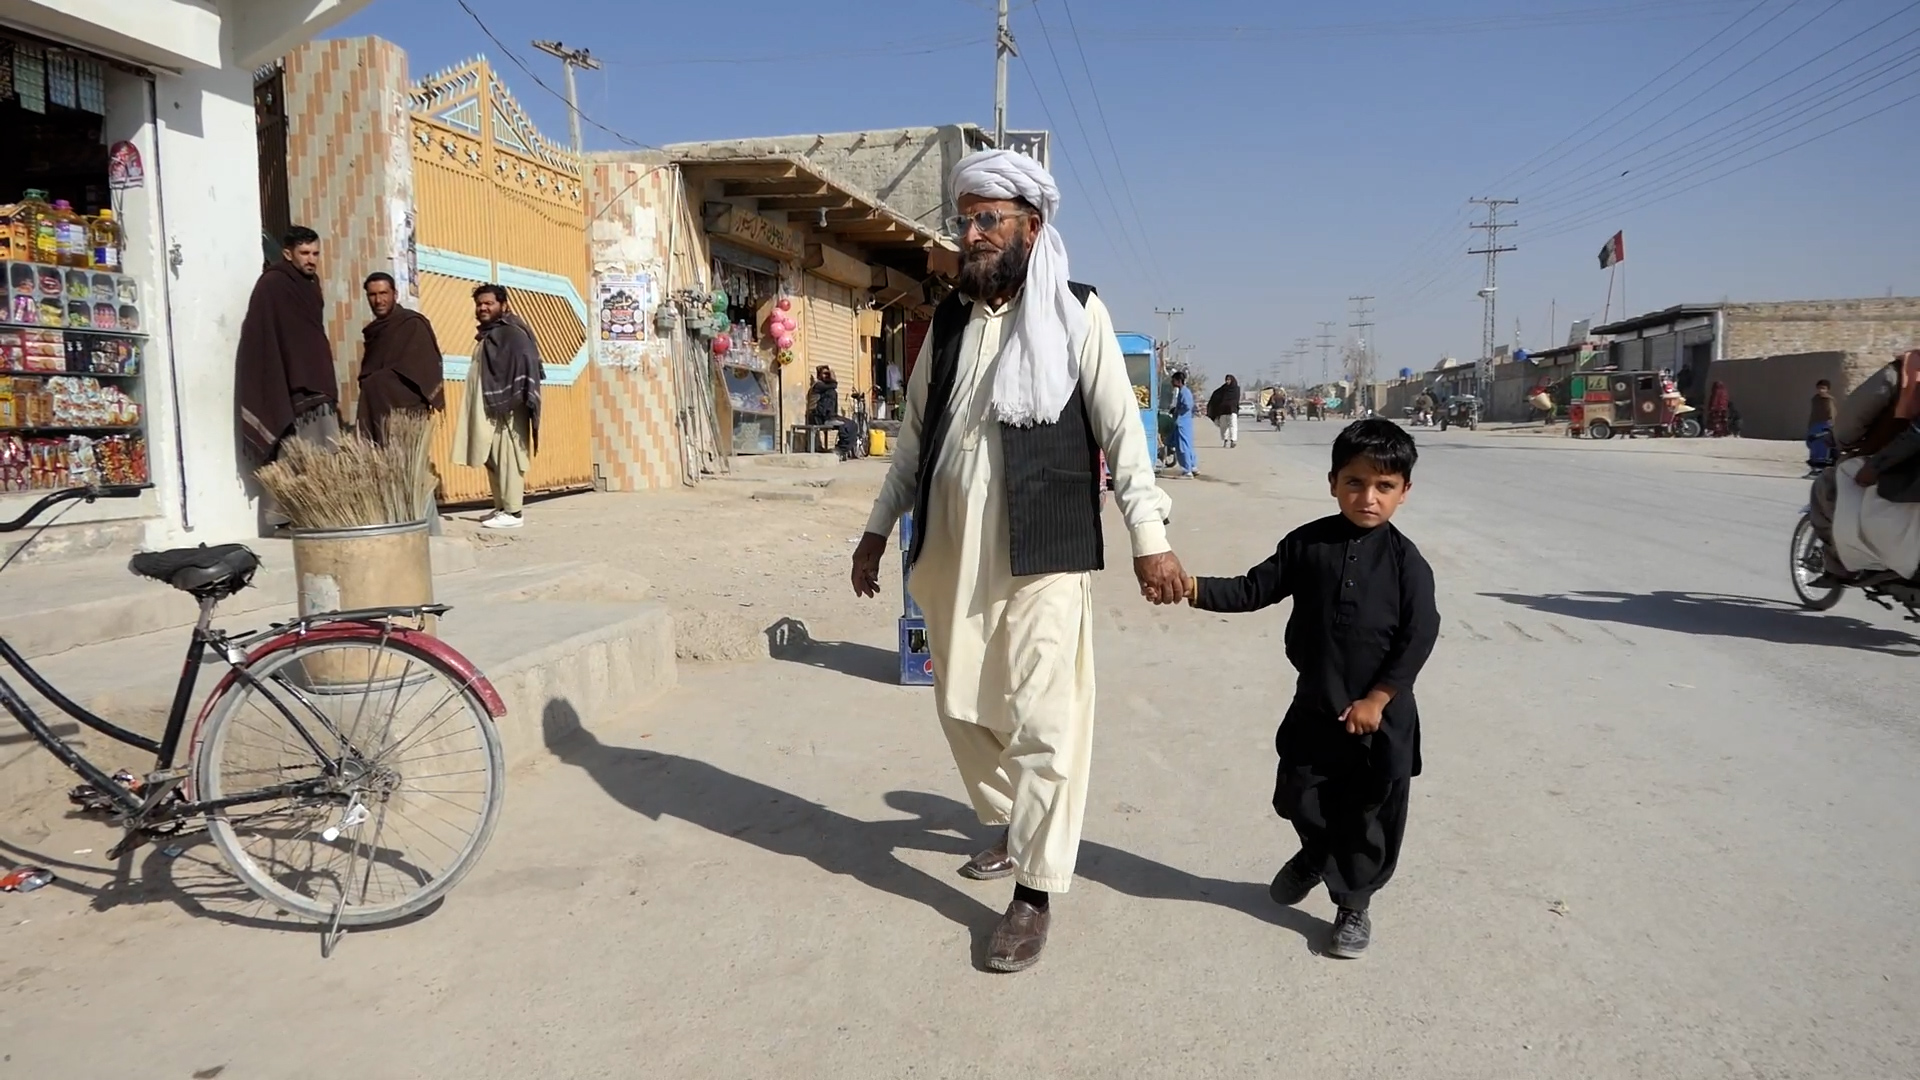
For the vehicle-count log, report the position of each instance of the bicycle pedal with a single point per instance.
(166, 776)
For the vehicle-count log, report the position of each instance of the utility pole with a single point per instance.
(1003, 47)
(1493, 251)
(571, 59)
(1166, 345)
(1363, 322)
(1326, 351)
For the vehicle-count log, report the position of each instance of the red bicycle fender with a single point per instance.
(438, 649)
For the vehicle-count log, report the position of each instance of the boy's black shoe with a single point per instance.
(1294, 881)
(1352, 930)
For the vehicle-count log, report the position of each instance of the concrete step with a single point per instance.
(52, 607)
(558, 642)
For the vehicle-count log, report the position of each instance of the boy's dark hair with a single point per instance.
(1179, 378)
(1823, 385)
(499, 292)
(1385, 444)
(297, 235)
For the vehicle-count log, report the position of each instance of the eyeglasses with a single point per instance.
(984, 220)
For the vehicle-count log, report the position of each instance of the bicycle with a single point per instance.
(308, 800)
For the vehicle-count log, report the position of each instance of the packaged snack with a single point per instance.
(79, 285)
(79, 314)
(127, 289)
(105, 317)
(129, 318)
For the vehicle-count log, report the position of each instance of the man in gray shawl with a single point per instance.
(499, 427)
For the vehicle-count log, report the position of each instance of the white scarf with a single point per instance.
(1040, 355)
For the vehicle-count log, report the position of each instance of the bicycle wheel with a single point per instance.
(400, 797)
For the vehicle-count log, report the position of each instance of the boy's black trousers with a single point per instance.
(1350, 821)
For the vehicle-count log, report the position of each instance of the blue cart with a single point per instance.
(1144, 373)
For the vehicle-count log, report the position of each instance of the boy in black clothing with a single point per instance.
(1363, 623)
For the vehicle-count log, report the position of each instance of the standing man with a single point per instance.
(1183, 452)
(402, 366)
(1018, 388)
(499, 427)
(1820, 429)
(1223, 408)
(285, 376)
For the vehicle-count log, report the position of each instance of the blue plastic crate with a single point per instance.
(916, 656)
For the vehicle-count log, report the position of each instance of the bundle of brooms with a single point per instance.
(356, 482)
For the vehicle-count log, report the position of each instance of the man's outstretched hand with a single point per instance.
(866, 564)
(1162, 579)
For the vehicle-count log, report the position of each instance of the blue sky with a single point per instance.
(1275, 159)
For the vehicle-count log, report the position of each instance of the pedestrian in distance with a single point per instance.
(1820, 429)
(1184, 454)
(1018, 388)
(1223, 408)
(1364, 622)
(499, 428)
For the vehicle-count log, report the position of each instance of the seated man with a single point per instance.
(1876, 422)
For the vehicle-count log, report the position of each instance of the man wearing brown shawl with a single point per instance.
(499, 427)
(401, 368)
(286, 382)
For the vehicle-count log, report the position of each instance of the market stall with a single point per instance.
(73, 333)
(747, 351)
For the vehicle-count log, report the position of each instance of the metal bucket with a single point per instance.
(370, 566)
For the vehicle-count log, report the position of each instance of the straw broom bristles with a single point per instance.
(356, 482)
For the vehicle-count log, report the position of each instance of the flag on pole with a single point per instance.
(1615, 251)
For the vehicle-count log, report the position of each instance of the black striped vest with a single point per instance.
(1052, 470)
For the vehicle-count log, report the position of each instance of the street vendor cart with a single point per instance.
(1606, 402)
(1144, 373)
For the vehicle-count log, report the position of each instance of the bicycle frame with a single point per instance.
(239, 654)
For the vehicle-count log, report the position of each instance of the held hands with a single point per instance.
(866, 564)
(1162, 579)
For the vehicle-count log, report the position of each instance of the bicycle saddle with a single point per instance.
(202, 571)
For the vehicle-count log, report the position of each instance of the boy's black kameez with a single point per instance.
(1363, 617)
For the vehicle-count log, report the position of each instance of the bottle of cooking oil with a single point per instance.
(76, 247)
(106, 242)
(37, 234)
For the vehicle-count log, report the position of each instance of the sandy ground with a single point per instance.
(1667, 829)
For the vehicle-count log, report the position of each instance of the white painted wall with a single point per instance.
(195, 131)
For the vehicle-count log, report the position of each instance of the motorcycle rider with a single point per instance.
(1867, 424)
(1423, 408)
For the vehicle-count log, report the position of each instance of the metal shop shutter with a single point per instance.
(831, 333)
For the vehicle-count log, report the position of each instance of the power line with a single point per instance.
(1073, 104)
(1126, 185)
(1326, 351)
(1073, 170)
(1576, 174)
(572, 109)
(1597, 16)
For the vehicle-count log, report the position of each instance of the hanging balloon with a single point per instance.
(785, 304)
(722, 345)
(719, 299)
(785, 341)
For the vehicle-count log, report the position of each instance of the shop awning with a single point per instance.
(832, 212)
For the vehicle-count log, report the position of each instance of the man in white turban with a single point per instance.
(1017, 391)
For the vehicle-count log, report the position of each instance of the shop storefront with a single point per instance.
(123, 306)
(74, 332)
(747, 358)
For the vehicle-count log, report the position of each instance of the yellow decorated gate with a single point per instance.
(496, 202)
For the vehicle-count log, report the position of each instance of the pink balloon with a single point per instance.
(785, 341)
(777, 325)
(722, 345)
(785, 304)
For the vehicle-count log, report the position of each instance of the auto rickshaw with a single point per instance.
(1460, 410)
(1607, 402)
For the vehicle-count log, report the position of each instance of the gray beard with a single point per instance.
(1002, 275)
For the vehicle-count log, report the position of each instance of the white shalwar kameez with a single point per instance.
(1013, 656)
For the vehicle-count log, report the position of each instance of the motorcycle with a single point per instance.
(1808, 563)
(1416, 417)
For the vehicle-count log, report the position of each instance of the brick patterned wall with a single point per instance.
(633, 202)
(1871, 328)
(350, 178)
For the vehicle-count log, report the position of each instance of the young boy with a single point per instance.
(1363, 623)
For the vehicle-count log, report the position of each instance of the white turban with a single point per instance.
(1040, 357)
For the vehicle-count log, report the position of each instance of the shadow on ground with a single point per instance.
(659, 785)
(1717, 615)
(789, 640)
